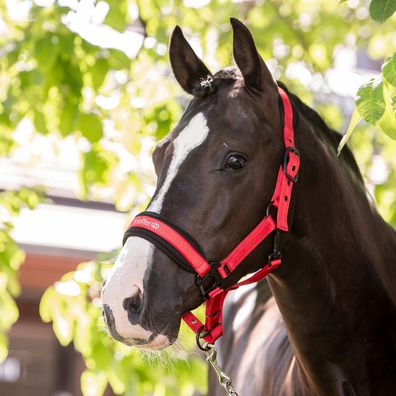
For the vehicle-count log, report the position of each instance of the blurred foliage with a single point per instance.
(73, 306)
(54, 75)
(11, 257)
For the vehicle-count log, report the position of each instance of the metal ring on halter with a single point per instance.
(267, 211)
(198, 340)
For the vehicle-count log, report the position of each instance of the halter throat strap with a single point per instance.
(186, 252)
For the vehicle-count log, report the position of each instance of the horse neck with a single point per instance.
(338, 261)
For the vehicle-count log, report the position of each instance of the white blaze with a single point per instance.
(192, 136)
(136, 255)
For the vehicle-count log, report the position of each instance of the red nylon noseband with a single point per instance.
(209, 275)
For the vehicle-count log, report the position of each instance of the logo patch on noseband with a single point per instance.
(143, 221)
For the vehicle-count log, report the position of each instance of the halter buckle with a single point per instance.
(210, 281)
(290, 149)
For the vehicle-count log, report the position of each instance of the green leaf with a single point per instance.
(73, 77)
(83, 335)
(99, 72)
(40, 123)
(31, 77)
(370, 101)
(118, 60)
(66, 44)
(118, 377)
(352, 125)
(3, 347)
(93, 383)
(387, 123)
(116, 17)
(96, 168)
(68, 118)
(90, 126)
(7, 143)
(389, 70)
(381, 10)
(63, 322)
(45, 51)
(163, 118)
(12, 56)
(103, 356)
(8, 305)
(45, 305)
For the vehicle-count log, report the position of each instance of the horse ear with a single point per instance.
(254, 71)
(189, 70)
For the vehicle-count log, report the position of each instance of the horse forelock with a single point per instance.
(210, 85)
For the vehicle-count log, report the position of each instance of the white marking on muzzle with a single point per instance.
(192, 136)
(127, 274)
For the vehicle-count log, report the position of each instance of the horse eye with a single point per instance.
(235, 161)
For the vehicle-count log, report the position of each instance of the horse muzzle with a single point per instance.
(152, 342)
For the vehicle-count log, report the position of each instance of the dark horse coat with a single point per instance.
(325, 325)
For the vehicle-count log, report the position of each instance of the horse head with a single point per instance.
(216, 173)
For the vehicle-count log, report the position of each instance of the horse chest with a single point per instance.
(255, 350)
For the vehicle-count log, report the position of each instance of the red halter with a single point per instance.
(182, 248)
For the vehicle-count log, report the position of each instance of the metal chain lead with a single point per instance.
(224, 379)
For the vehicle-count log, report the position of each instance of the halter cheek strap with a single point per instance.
(187, 253)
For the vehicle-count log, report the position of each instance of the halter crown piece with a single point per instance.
(187, 253)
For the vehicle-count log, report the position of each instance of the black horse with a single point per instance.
(325, 322)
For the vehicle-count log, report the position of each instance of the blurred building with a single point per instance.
(57, 236)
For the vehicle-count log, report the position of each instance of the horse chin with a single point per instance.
(160, 341)
(155, 342)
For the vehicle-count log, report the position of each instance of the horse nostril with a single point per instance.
(132, 303)
(133, 306)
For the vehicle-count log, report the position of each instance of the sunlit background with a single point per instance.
(86, 91)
